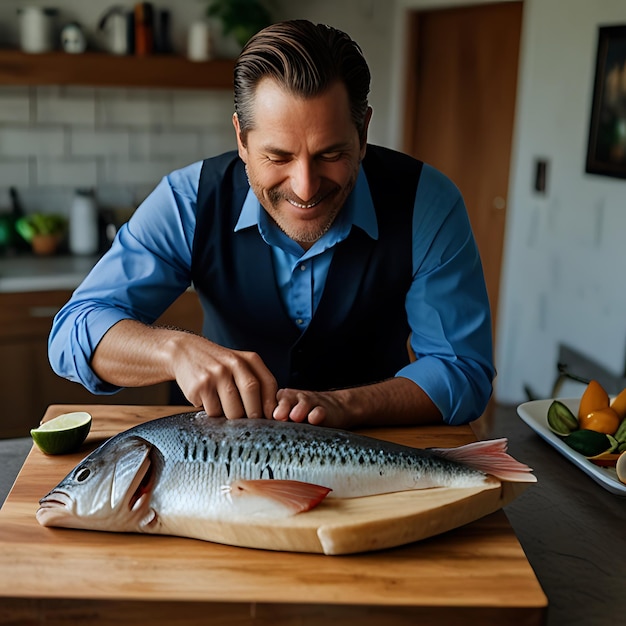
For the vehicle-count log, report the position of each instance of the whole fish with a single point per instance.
(176, 474)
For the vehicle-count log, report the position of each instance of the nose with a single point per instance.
(305, 180)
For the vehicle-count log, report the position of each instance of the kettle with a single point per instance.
(116, 23)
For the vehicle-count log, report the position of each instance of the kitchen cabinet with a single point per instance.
(27, 383)
(99, 69)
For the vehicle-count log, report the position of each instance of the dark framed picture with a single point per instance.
(606, 151)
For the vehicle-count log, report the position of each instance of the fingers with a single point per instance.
(230, 383)
(261, 385)
(300, 406)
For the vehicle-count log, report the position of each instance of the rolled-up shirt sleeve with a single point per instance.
(145, 270)
(447, 305)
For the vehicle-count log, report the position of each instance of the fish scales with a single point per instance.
(300, 452)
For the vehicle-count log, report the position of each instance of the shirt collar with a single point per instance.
(357, 211)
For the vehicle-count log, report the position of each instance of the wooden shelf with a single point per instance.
(106, 70)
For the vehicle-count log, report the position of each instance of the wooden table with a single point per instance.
(477, 574)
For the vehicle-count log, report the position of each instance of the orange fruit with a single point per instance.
(594, 397)
(604, 421)
(619, 403)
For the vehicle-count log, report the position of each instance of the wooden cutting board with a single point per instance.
(336, 526)
(346, 526)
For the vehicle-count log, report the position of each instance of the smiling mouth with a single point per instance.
(310, 205)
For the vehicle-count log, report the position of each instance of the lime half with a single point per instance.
(63, 434)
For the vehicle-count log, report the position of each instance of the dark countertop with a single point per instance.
(32, 273)
(572, 530)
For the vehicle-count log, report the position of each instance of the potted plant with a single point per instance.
(240, 18)
(43, 231)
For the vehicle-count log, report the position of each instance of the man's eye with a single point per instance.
(331, 156)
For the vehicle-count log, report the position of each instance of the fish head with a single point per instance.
(109, 490)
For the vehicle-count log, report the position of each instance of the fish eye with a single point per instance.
(82, 474)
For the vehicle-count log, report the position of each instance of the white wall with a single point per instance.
(565, 254)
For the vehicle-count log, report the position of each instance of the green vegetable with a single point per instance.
(620, 433)
(40, 224)
(589, 442)
(560, 419)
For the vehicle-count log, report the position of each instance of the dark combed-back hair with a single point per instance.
(305, 59)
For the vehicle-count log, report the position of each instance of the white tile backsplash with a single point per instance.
(14, 105)
(61, 105)
(174, 143)
(202, 108)
(217, 140)
(14, 173)
(124, 172)
(99, 142)
(135, 109)
(119, 141)
(17, 141)
(68, 172)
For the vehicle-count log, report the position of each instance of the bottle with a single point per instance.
(84, 236)
(199, 41)
(144, 29)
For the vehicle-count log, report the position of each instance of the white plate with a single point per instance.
(535, 414)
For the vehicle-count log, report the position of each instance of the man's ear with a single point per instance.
(243, 152)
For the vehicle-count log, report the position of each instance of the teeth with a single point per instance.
(304, 206)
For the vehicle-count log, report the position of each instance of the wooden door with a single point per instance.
(461, 92)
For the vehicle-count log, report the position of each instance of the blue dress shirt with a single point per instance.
(148, 267)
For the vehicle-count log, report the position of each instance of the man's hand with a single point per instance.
(394, 402)
(315, 407)
(224, 382)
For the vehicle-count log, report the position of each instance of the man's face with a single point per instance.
(302, 157)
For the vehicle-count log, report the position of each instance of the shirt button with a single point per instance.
(299, 321)
(303, 268)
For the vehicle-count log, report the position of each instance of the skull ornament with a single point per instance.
(73, 38)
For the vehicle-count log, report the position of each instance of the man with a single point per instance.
(314, 255)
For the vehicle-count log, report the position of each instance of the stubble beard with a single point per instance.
(304, 232)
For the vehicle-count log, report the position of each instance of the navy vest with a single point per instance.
(359, 331)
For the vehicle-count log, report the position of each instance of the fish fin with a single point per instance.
(291, 495)
(130, 468)
(490, 457)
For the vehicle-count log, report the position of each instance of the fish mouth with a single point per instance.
(53, 507)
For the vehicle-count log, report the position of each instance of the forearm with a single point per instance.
(132, 354)
(394, 402)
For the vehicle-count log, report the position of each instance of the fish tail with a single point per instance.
(489, 457)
